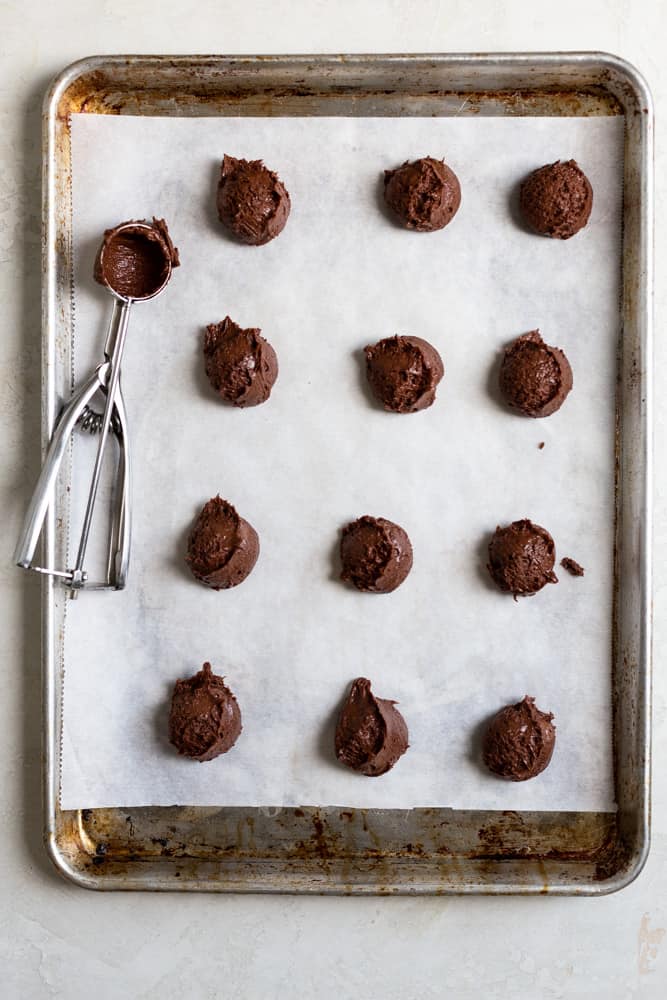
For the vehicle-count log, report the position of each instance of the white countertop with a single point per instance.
(60, 941)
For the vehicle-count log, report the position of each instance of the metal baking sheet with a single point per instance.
(378, 850)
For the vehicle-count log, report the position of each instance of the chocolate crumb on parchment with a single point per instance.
(571, 566)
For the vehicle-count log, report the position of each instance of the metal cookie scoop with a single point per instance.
(135, 263)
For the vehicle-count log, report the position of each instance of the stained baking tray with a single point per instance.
(320, 849)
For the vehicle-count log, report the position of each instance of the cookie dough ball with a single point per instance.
(521, 558)
(135, 258)
(534, 377)
(424, 194)
(371, 734)
(240, 364)
(252, 201)
(403, 373)
(557, 199)
(376, 554)
(205, 719)
(222, 548)
(519, 742)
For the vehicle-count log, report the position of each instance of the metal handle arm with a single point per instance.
(121, 529)
(43, 493)
(120, 535)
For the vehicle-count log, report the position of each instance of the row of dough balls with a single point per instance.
(375, 553)
(371, 734)
(424, 195)
(403, 372)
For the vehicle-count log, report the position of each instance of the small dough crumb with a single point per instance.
(572, 567)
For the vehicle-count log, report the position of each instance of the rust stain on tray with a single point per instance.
(342, 844)
(99, 93)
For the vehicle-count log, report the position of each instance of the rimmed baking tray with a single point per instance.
(332, 850)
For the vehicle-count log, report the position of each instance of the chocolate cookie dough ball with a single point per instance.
(252, 201)
(521, 558)
(371, 733)
(403, 373)
(136, 258)
(376, 554)
(519, 742)
(557, 199)
(222, 548)
(534, 377)
(425, 194)
(240, 364)
(205, 719)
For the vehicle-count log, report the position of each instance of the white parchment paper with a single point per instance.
(446, 645)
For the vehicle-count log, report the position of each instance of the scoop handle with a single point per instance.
(43, 492)
(119, 325)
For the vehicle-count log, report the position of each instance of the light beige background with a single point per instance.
(59, 941)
